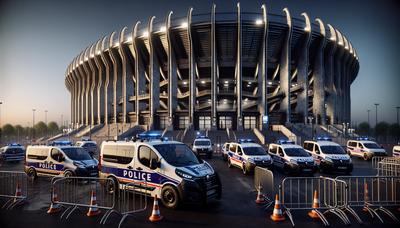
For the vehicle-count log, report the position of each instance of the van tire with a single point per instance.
(229, 163)
(112, 185)
(169, 197)
(365, 157)
(31, 174)
(68, 173)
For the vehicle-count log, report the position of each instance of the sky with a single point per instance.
(38, 39)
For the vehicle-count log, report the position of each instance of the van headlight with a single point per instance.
(183, 174)
(79, 165)
(292, 161)
(329, 160)
(251, 160)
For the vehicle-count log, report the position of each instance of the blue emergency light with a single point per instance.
(323, 138)
(245, 141)
(362, 138)
(14, 144)
(201, 137)
(283, 142)
(149, 135)
(61, 143)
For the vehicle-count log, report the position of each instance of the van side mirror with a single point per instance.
(240, 153)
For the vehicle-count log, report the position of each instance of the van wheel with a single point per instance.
(170, 197)
(31, 174)
(365, 156)
(244, 169)
(349, 153)
(68, 173)
(229, 163)
(112, 185)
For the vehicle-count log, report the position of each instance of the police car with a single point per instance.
(396, 151)
(291, 158)
(168, 169)
(12, 152)
(202, 145)
(246, 155)
(364, 148)
(89, 145)
(329, 155)
(64, 160)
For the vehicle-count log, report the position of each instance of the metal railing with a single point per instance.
(13, 187)
(264, 183)
(386, 166)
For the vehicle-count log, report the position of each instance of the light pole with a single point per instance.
(45, 120)
(62, 123)
(369, 124)
(33, 123)
(397, 108)
(1, 129)
(376, 113)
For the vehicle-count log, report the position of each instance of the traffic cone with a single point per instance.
(366, 197)
(54, 207)
(155, 214)
(260, 197)
(18, 192)
(313, 214)
(93, 209)
(277, 215)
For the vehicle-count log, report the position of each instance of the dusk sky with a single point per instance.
(38, 39)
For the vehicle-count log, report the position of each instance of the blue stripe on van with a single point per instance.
(42, 165)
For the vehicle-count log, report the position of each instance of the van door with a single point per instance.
(143, 170)
(316, 154)
(55, 164)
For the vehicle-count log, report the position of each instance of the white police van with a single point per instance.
(329, 155)
(63, 160)
(246, 155)
(291, 158)
(202, 145)
(13, 152)
(168, 169)
(396, 151)
(364, 148)
(89, 145)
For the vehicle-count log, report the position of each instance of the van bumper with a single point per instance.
(200, 190)
(337, 167)
(87, 172)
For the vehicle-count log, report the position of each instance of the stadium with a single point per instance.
(215, 71)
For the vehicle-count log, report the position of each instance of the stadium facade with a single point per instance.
(215, 71)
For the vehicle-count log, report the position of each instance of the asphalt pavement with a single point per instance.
(236, 208)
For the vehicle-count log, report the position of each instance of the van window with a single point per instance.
(37, 153)
(353, 144)
(56, 155)
(118, 154)
(316, 149)
(239, 150)
(308, 146)
(232, 148)
(145, 155)
(272, 149)
(280, 152)
(360, 146)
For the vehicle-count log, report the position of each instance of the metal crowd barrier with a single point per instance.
(13, 188)
(76, 192)
(386, 166)
(264, 182)
(297, 193)
(375, 160)
(372, 193)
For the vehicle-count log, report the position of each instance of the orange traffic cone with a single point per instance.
(54, 207)
(313, 214)
(277, 215)
(366, 197)
(260, 197)
(18, 192)
(155, 214)
(93, 209)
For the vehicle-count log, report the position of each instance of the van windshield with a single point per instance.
(202, 143)
(14, 151)
(76, 154)
(332, 150)
(372, 145)
(254, 151)
(178, 155)
(296, 152)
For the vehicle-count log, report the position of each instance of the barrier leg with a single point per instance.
(322, 217)
(355, 215)
(289, 216)
(374, 214)
(339, 214)
(390, 214)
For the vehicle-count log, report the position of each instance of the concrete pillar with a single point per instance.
(319, 76)
(330, 77)
(172, 75)
(88, 84)
(302, 71)
(192, 79)
(154, 78)
(77, 92)
(93, 96)
(239, 119)
(284, 70)
(100, 81)
(108, 93)
(124, 73)
(337, 78)
(262, 72)
(139, 73)
(82, 78)
(214, 76)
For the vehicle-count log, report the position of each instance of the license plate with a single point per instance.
(210, 192)
(341, 167)
(306, 170)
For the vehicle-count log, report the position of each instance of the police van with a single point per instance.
(13, 152)
(89, 145)
(202, 145)
(168, 169)
(63, 160)
(246, 155)
(364, 148)
(291, 158)
(329, 155)
(396, 151)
